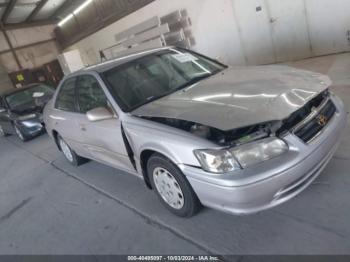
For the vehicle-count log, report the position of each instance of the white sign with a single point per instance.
(185, 57)
(38, 94)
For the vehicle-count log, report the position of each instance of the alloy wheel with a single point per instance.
(168, 188)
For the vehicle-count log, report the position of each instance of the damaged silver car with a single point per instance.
(237, 139)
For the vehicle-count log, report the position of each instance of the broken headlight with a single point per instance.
(259, 151)
(216, 160)
(226, 160)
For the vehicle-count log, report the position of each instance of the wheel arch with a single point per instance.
(55, 137)
(145, 155)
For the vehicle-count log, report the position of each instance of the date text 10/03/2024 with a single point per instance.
(173, 258)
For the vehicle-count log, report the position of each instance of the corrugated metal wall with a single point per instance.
(31, 55)
(5, 82)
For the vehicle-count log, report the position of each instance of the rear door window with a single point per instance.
(66, 97)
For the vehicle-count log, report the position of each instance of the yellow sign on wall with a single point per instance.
(20, 77)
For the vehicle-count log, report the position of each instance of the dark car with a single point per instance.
(21, 110)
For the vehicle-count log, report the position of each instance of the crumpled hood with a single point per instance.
(240, 96)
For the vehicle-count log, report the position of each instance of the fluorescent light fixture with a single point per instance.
(75, 12)
(82, 6)
(64, 20)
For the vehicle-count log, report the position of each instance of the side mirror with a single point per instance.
(99, 114)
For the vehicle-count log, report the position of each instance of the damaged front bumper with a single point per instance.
(272, 182)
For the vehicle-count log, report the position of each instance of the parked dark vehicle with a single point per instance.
(21, 110)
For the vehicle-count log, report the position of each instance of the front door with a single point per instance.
(103, 139)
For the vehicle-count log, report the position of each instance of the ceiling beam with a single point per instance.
(29, 24)
(8, 10)
(36, 10)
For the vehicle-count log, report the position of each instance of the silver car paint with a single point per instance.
(261, 188)
(104, 143)
(240, 97)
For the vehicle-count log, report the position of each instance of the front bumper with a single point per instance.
(272, 182)
(32, 127)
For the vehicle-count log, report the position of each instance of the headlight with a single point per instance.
(216, 161)
(226, 160)
(26, 117)
(259, 151)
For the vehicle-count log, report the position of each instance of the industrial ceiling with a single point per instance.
(24, 13)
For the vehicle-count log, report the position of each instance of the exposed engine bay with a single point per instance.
(222, 138)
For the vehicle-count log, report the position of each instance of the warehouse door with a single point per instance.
(289, 29)
(272, 30)
(254, 31)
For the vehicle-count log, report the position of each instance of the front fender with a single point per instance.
(175, 144)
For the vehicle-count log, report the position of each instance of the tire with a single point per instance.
(72, 157)
(20, 134)
(172, 187)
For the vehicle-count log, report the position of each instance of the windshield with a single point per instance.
(26, 98)
(156, 75)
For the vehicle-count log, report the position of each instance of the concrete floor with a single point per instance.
(49, 207)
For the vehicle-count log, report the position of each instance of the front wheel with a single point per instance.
(172, 187)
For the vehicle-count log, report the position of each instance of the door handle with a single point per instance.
(82, 127)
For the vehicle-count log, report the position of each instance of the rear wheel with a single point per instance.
(69, 153)
(172, 187)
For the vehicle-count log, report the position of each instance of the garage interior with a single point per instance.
(50, 207)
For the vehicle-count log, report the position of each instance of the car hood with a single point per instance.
(241, 96)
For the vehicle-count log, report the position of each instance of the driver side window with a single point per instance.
(90, 94)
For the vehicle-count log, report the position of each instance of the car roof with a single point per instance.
(126, 57)
(15, 90)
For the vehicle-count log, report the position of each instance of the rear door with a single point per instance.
(103, 139)
(65, 117)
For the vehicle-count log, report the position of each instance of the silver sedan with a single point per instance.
(237, 139)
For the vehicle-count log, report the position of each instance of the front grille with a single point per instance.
(320, 106)
(314, 126)
(299, 115)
